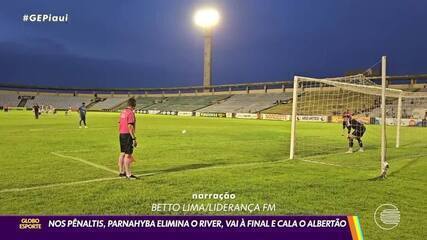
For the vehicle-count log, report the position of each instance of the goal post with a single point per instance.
(399, 120)
(384, 164)
(293, 118)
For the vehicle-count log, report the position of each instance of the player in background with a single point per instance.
(127, 139)
(82, 111)
(359, 129)
(346, 116)
(68, 112)
(36, 109)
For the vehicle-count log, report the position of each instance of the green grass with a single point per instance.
(244, 157)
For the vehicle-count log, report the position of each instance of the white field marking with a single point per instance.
(238, 165)
(75, 151)
(328, 155)
(84, 161)
(65, 184)
(323, 163)
(337, 165)
(308, 159)
(138, 175)
(220, 166)
(153, 173)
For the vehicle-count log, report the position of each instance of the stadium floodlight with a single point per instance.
(207, 18)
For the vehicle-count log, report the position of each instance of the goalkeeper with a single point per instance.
(359, 129)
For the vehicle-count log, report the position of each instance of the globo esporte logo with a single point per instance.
(30, 223)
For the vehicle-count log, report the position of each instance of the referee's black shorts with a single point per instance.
(126, 143)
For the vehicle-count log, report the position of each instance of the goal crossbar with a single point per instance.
(365, 89)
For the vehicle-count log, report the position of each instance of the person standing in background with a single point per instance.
(36, 109)
(82, 111)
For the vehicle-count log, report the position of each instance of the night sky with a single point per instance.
(154, 43)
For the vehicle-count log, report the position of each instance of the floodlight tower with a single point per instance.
(207, 19)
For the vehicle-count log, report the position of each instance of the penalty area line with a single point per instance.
(66, 184)
(84, 161)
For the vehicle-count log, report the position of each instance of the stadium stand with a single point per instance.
(108, 103)
(411, 108)
(144, 102)
(265, 97)
(59, 102)
(9, 99)
(248, 103)
(141, 103)
(185, 103)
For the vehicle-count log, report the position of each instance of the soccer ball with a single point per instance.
(184, 131)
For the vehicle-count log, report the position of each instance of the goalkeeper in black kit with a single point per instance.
(358, 130)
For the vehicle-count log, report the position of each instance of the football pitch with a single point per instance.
(50, 166)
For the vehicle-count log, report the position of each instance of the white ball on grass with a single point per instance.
(184, 131)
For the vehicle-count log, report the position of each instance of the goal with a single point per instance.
(318, 101)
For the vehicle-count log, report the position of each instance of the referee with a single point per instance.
(127, 139)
